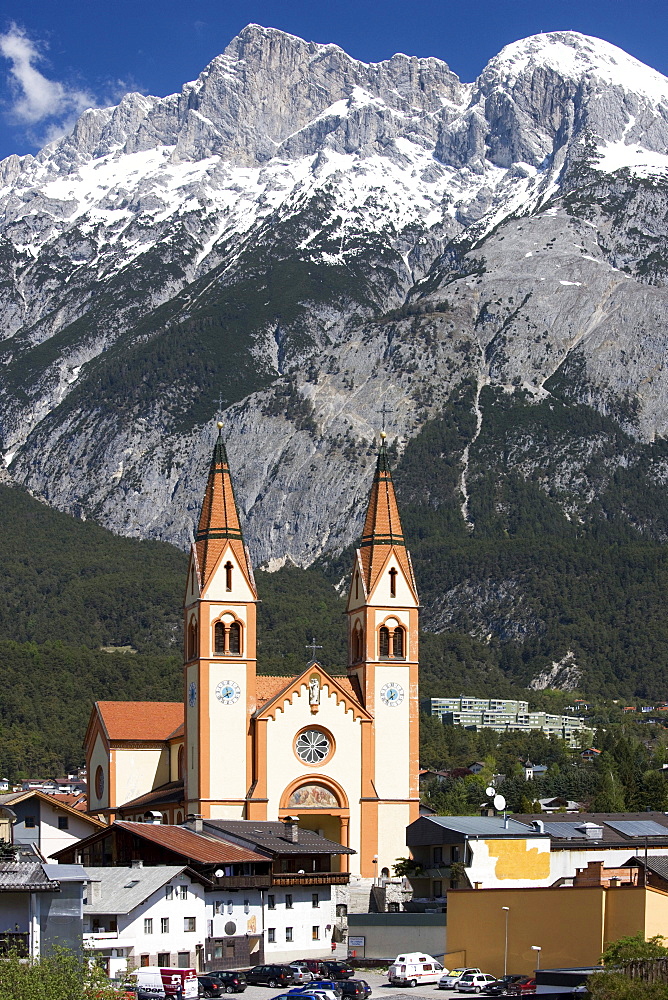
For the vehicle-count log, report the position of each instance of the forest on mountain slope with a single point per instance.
(88, 615)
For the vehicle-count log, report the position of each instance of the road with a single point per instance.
(381, 990)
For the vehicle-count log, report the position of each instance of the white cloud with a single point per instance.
(36, 99)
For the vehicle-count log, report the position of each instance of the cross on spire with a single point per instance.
(384, 412)
(312, 645)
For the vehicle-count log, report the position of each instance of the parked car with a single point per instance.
(210, 986)
(330, 985)
(270, 975)
(305, 996)
(301, 972)
(234, 982)
(473, 982)
(356, 989)
(500, 986)
(319, 991)
(450, 979)
(525, 984)
(338, 970)
(414, 968)
(314, 965)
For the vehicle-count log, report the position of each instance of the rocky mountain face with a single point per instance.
(301, 240)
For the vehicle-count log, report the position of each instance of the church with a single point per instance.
(338, 752)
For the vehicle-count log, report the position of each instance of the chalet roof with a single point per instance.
(58, 799)
(219, 519)
(25, 876)
(196, 846)
(123, 889)
(618, 829)
(270, 836)
(140, 720)
(382, 526)
(656, 865)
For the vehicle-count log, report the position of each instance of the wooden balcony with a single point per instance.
(243, 881)
(310, 878)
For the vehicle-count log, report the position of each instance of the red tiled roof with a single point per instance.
(382, 527)
(140, 720)
(268, 687)
(196, 846)
(167, 794)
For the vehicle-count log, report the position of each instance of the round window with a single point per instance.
(313, 746)
(99, 782)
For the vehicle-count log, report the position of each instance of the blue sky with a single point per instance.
(60, 56)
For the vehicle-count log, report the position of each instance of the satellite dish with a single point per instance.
(219, 873)
(490, 790)
(499, 802)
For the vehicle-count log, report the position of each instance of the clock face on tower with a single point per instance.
(228, 692)
(192, 694)
(392, 694)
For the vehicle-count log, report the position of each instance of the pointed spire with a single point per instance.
(219, 520)
(382, 527)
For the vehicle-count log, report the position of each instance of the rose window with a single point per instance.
(312, 746)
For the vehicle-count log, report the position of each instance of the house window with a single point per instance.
(148, 925)
(63, 822)
(189, 923)
(454, 854)
(164, 958)
(271, 902)
(384, 641)
(29, 822)
(315, 932)
(393, 908)
(217, 907)
(271, 935)
(315, 900)
(393, 582)
(438, 888)
(144, 960)
(184, 959)
(288, 901)
(341, 910)
(169, 892)
(398, 642)
(164, 925)
(438, 855)
(228, 575)
(182, 891)
(288, 933)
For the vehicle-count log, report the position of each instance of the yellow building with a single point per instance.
(339, 752)
(570, 925)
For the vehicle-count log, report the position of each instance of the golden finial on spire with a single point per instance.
(219, 425)
(383, 435)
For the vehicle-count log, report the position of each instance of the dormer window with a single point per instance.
(393, 582)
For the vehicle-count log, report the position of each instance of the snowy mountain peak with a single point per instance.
(576, 57)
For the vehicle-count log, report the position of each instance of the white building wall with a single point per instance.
(138, 771)
(302, 918)
(52, 839)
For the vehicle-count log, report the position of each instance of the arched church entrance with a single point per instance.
(322, 806)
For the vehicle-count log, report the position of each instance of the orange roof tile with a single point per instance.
(382, 527)
(140, 720)
(196, 846)
(219, 519)
(268, 687)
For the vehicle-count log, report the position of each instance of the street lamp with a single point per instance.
(505, 949)
(537, 949)
(375, 869)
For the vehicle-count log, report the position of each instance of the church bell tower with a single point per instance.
(219, 655)
(382, 615)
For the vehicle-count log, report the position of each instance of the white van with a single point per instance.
(414, 968)
(154, 981)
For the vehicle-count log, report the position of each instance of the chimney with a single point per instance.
(153, 817)
(538, 826)
(194, 821)
(137, 863)
(291, 829)
(94, 893)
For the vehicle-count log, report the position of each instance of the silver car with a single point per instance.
(301, 973)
